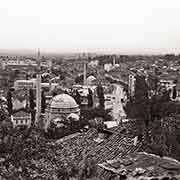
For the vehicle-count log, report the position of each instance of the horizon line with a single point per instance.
(104, 51)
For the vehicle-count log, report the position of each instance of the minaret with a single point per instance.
(38, 88)
(114, 61)
(84, 73)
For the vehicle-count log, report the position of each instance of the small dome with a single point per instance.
(90, 79)
(63, 101)
(73, 117)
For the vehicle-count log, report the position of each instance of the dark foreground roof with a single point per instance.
(144, 166)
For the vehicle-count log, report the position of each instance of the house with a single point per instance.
(31, 84)
(93, 63)
(109, 101)
(21, 118)
(107, 67)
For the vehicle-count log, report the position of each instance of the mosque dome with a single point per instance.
(59, 107)
(64, 103)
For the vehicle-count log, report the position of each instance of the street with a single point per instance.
(118, 110)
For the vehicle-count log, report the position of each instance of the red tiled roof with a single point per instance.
(21, 114)
(115, 146)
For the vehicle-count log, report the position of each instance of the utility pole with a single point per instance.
(38, 88)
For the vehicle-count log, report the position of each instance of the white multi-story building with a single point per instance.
(93, 63)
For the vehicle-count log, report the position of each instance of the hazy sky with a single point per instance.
(134, 26)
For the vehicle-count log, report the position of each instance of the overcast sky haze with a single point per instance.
(123, 26)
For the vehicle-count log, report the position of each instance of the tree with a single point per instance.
(153, 82)
(88, 169)
(22, 147)
(77, 97)
(3, 115)
(151, 108)
(170, 57)
(62, 77)
(174, 95)
(9, 102)
(158, 71)
(142, 99)
(178, 61)
(90, 98)
(31, 99)
(43, 102)
(92, 113)
(3, 110)
(63, 173)
(100, 94)
(164, 137)
(32, 105)
(79, 79)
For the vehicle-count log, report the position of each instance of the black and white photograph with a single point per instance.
(89, 90)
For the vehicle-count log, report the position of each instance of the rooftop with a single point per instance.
(71, 150)
(21, 113)
(144, 166)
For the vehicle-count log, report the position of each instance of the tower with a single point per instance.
(84, 73)
(114, 61)
(38, 88)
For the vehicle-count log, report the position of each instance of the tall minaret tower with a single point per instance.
(85, 72)
(114, 60)
(38, 88)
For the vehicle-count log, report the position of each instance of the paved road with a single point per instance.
(118, 110)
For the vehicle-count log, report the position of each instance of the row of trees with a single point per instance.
(149, 108)
(163, 137)
(31, 103)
